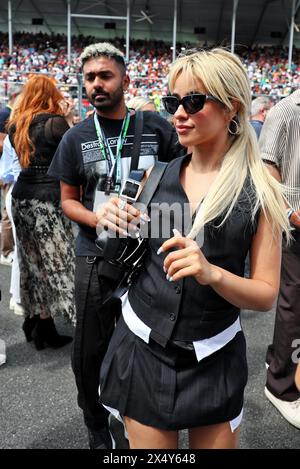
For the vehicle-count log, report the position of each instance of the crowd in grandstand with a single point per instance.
(53, 172)
(148, 67)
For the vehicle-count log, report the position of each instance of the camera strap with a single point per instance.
(138, 132)
(151, 183)
(137, 174)
(133, 183)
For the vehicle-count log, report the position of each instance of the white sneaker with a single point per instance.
(2, 352)
(12, 304)
(289, 410)
(16, 307)
(2, 359)
(6, 260)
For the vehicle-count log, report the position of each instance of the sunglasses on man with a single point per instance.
(191, 103)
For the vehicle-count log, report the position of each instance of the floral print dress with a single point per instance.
(45, 237)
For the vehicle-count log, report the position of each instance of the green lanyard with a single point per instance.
(114, 161)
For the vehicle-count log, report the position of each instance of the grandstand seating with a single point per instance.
(148, 65)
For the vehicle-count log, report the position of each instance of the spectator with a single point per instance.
(150, 60)
(141, 104)
(259, 109)
(280, 148)
(7, 241)
(9, 171)
(44, 235)
(68, 106)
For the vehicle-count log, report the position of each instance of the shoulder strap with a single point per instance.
(152, 183)
(138, 132)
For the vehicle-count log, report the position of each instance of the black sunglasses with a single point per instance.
(191, 103)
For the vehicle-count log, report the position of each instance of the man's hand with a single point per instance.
(295, 219)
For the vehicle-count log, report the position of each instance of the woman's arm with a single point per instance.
(258, 293)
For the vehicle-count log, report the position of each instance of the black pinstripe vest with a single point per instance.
(186, 310)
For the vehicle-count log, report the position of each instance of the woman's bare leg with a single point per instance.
(217, 436)
(144, 437)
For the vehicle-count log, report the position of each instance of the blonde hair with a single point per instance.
(103, 49)
(138, 103)
(223, 76)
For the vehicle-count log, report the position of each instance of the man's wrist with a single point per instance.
(289, 212)
(216, 276)
(295, 219)
(93, 219)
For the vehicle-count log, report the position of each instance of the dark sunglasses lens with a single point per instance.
(171, 104)
(193, 103)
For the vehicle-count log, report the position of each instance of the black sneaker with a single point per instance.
(117, 431)
(100, 439)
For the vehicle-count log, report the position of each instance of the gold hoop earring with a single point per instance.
(233, 127)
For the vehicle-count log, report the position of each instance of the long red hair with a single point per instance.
(39, 95)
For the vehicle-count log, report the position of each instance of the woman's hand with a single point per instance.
(188, 261)
(118, 216)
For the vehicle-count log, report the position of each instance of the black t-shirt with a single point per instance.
(78, 160)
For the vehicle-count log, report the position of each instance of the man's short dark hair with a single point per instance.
(103, 49)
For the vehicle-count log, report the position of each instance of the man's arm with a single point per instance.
(274, 171)
(73, 208)
(295, 217)
(66, 166)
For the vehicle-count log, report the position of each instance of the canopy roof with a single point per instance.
(257, 21)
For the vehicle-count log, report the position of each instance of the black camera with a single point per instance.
(113, 247)
(130, 190)
(123, 256)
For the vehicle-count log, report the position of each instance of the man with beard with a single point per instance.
(99, 149)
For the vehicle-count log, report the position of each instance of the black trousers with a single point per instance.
(94, 327)
(280, 355)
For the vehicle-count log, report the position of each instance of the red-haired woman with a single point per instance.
(44, 235)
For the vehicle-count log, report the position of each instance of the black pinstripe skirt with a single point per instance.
(168, 388)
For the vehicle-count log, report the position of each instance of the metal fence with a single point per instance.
(73, 88)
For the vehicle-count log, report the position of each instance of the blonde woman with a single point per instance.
(177, 358)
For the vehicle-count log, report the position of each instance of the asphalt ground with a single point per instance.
(38, 407)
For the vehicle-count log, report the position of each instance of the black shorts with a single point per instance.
(167, 388)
